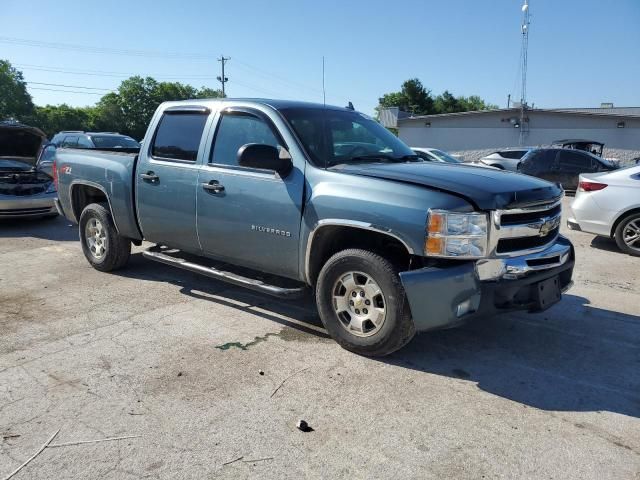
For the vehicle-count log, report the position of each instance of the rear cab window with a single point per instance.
(178, 135)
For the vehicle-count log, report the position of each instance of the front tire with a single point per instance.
(103, 247)
(362, 303)
(627, 234)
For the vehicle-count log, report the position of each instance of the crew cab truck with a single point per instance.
(279, 196)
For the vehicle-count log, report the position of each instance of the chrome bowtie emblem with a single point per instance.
(548, 226)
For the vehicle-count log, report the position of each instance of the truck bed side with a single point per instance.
(87, 175)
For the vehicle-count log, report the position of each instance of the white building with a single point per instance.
(474, 134)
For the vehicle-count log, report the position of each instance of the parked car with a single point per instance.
(438, 156)
(608, 204)
(391, 244)
(25, 189)
(101, 140)
(590, 146)
(561, 165)
(506, 159)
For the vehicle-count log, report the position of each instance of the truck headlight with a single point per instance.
(452, 234)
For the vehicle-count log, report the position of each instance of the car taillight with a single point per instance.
(54, 173)
(585, 186)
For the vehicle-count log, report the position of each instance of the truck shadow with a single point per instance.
(573, 357)
(56, 229)
(299, 314)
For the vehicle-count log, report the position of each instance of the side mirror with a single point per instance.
(257, 155)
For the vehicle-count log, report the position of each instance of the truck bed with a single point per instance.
(110, 171)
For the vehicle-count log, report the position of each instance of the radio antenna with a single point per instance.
(324, 96)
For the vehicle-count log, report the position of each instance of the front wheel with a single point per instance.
(362, 303)
(103, 247)
(627, 234)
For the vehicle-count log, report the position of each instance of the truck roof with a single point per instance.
(274, 103)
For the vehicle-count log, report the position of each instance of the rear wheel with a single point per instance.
(362, 303)
(627, 234)
(103, 247)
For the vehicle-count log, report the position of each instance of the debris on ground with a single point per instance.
(303, 426)
(233, 461)
(282, 382)
(261, 372)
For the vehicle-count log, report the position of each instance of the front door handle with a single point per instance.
(149, 177)
(213, 186)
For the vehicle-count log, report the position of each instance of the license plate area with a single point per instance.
(547, 293)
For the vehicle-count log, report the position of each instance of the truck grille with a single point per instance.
(519, 231)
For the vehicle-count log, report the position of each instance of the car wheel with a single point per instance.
(103, 247)
(362, 303)
(627, 234)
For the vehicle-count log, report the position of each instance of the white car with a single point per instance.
(506, 159)
(439, 156)
(608, 204)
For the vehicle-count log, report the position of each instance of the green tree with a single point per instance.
(415, 98)
(55, 118)
(15, 101)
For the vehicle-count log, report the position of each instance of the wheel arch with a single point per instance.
(621, 217)
(332, 236)
(83, 193)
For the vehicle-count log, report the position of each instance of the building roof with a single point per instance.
(632, 112)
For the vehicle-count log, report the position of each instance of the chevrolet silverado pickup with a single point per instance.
(281, 196)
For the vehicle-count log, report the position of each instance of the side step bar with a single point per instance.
(156, 254)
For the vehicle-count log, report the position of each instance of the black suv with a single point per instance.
(101, 140)
(562, 165)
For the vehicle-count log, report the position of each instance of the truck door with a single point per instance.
(249, 216)
(167, 176)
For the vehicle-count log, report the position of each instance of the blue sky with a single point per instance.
(581, 53)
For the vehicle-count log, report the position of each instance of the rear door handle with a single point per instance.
(213, 186)
(149, 177)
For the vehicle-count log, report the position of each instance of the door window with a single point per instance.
(236, 130)
(70, 141)
(84, 142)
(574, 161)
(178, 136)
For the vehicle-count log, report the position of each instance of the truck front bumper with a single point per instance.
(448, 296)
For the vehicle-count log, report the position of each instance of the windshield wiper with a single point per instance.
(385, 157)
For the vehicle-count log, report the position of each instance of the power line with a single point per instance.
(101, 73)
(65, 91)
(69, 86)
(101, 50)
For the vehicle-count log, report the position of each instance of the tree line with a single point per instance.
(415, 98)
(127, 110)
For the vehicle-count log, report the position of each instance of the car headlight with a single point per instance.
(458, 235)
(51, 188)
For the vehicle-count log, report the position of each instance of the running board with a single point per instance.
(156, 254)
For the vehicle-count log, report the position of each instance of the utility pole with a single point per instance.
(222, 79)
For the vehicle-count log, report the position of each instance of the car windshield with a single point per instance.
(114, 141)
(338, 137)
(444, 156)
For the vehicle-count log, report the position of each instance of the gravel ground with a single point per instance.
(176, 359)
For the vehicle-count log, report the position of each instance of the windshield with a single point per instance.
(444, 156)
(114, 141)
(338, 137)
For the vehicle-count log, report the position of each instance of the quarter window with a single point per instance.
(236, 130)
(178, 136)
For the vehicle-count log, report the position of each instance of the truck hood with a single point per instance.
(487, 189)
(19, 144)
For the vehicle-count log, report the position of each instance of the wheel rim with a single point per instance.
(359, 304)
(631, 234)
(95, 238)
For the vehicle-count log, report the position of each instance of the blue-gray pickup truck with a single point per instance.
(280, 196)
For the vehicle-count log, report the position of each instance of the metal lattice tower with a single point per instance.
(524, 29)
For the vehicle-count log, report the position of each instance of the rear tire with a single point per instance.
(362, 303)
(103, 247)
(627, 230)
